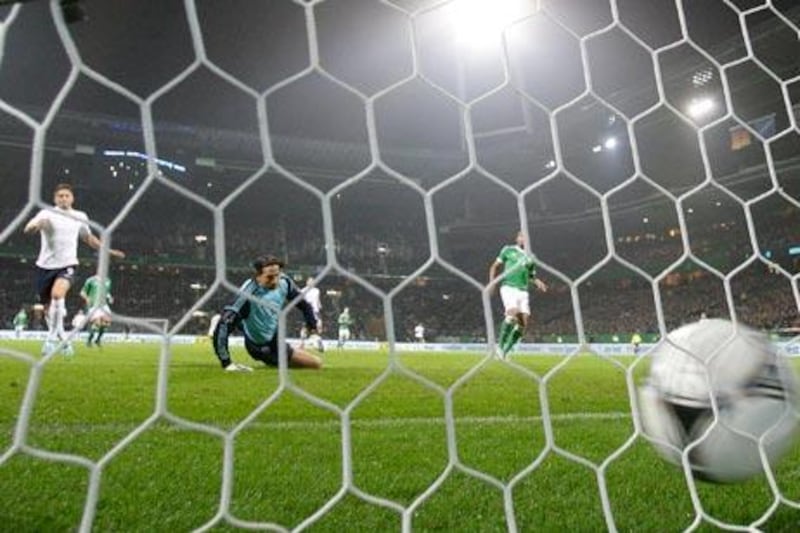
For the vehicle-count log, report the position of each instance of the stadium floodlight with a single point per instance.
(84, 149)
(479, 24)
(703, 77)
(138, 155)
(597, 148)
(700, 107)
(610, 143)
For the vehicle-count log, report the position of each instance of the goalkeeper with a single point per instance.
(256, 312)
(517, 268)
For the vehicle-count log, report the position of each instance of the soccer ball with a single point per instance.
(712, 363)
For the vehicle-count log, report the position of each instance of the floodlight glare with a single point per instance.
(610, 143)
(480, 23)
(700, 107)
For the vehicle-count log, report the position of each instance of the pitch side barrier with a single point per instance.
(789, 348)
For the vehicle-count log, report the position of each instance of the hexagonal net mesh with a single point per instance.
(388, 149)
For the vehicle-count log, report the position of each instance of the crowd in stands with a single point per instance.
(170, 243)
(449, 307)
(170, 270)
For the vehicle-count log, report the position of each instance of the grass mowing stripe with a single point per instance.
(60, 428)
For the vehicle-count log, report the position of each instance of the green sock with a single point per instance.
(516, 335)
(505, 333)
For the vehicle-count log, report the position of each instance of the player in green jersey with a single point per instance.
(344, 322)
(20, 322)
(517, 269)
(96, 295)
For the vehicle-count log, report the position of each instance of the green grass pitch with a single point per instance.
(291, 456)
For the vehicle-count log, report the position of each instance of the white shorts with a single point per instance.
(344, 334)
(101, 313)
(514, 298)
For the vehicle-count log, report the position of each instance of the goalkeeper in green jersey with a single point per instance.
(96, 296)
(517, 269)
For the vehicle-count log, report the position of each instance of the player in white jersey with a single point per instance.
(312, 295)
(419, 333)
(60, 229)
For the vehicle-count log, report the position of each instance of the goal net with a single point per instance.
(388, 149)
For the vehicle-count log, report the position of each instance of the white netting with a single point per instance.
(646, 149)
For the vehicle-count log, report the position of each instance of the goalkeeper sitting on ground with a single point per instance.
(256, 311)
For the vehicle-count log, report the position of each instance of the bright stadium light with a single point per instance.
(480, 23)
(610, 143)
(138, 155)
(700, 107)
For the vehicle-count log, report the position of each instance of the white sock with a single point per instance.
(51, 321)
(60, 313)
